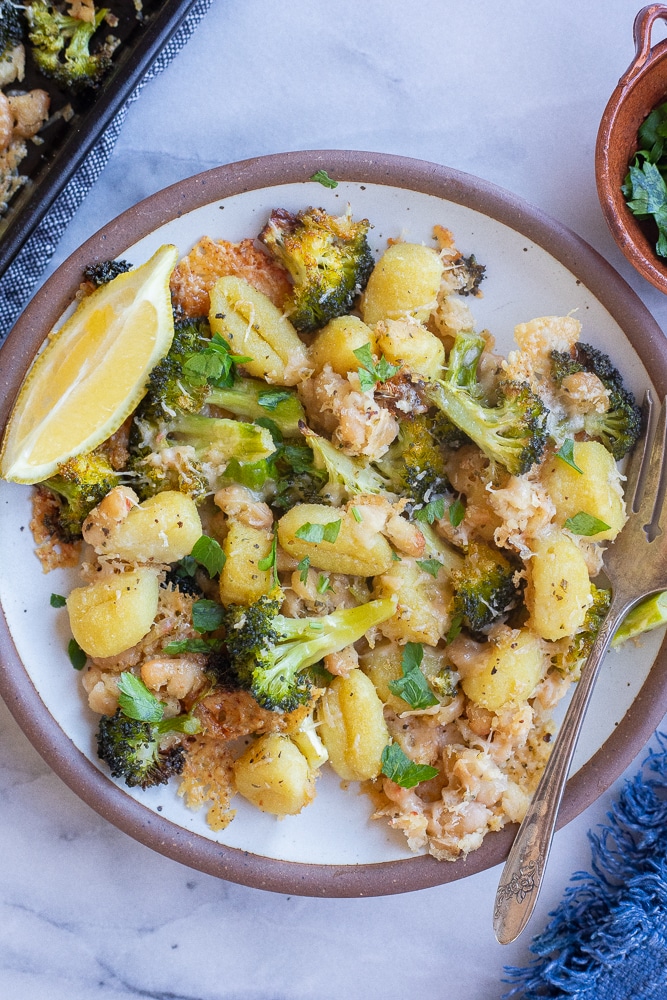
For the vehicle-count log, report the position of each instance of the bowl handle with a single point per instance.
(641, 30)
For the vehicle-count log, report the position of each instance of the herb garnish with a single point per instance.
(322, 177)
(398, 767)
(566, 452)
(319, 532)
(413, 687)
(371, 373)
(209, 554)
(585, 524)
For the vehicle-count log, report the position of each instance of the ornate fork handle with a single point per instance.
(522, 875)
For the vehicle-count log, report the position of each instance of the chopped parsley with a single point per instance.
(398, 767)
(585, 524)
(413, 687)
(319, 532)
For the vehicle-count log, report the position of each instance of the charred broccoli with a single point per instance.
(11, 26)
(81, 483)
(253, 399)
(513, 431)
(415, 463)
(61, 45)
(469, 274)
(105, 271)
(482, 578)
(328, 259)
(620, 426)
(269, 653)
(130, 741)
(345, 476)
(577, 652)
(191, 452)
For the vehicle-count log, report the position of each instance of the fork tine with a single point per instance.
(638, 461)
(653, 489)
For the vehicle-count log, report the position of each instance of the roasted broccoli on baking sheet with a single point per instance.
(61, 45)
(81, 483)
(512, 431)
(620, 425)
(269, 652)
(328, 259)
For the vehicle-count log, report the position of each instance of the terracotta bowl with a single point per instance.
(640, 89)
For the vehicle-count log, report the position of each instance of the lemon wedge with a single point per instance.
(92, 372)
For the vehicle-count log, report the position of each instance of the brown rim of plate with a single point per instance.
(16, 687)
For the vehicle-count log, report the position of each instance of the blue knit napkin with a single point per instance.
(21, 276)
(607, 939)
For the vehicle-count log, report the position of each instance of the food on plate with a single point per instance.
(322, 522)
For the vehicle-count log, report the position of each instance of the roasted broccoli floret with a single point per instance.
(253, 399)
(191, 452)
(483, 580)
(344, 476)
(61, 45)
(572, 659)
(81, 483)
(105, 271)
(512, 432)
(620, 426)
(414, 466)
(269, 653)
(130, 741)
(469, 274)
(11, 26)
(174, 384)
(328, 259)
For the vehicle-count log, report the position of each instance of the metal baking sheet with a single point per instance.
(50, 165)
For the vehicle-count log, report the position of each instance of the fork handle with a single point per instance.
(522, 875)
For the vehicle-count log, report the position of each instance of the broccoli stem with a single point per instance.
(250, 398)
(231, 438)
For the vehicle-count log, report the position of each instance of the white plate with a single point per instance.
(534, 268)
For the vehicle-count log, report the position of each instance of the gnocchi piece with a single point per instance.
(241, 579)
(422, 613)
(162, 529)
(404, 283)
(255, 328)
(383, 664)
(352, 726)
(559, 590)
(596, 490)
(336, 343)
(275, 776)
(111, 615)
(514, 667)
(405, 342)
(357, 549)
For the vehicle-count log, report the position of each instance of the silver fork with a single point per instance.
(636, 566)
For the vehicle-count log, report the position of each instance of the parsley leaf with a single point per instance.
(303, 568)
(319, 532)
(456, 512)
(566, 453)
(271, 560)
(322, 177)
(207, 616)
(585, 524)
(398, 767)
(208, 553)
(213, 364)
(432, 566)
(76, 655)
(323, 584)
(431, 511)
(269, 400)
(371, 373)
(413, 687)
(57, 601)
(191, 646)
(136, 701)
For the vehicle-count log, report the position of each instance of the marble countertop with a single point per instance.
(511, 92)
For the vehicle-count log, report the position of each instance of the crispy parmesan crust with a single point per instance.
(50, 548)
(195, 275)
